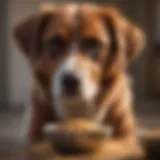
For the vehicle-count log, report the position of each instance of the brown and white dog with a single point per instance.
(79, 55)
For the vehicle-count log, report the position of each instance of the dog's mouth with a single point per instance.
(73, 100)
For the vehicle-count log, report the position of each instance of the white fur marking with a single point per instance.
(72, 10)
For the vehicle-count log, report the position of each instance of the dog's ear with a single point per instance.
(135, 41)
(125, 36)
(28, 32)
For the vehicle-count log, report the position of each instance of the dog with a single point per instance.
(79, 55)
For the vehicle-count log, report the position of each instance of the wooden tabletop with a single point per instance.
(43, 151)
(150, 141)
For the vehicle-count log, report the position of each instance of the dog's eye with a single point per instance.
(57, 46)
(92, 47)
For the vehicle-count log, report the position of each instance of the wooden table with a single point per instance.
(150, 141)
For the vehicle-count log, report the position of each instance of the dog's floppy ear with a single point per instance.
(27, 33)
(125, 36)
(135, 41)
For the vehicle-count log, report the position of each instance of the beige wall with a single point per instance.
(18, 71)
(3, 54)
(158, 20)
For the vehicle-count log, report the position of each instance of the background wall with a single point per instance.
(3, 53)
(18, 70)
(157, 19)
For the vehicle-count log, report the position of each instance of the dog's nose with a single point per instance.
(70, 84)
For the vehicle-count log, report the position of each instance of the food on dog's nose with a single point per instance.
(75, 136)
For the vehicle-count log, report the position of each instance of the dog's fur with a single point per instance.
(75, 33)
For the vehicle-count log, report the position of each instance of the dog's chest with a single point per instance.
(74, 108)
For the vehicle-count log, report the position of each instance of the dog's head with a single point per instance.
(78, 46)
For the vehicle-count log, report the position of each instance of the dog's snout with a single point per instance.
(70, 84)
